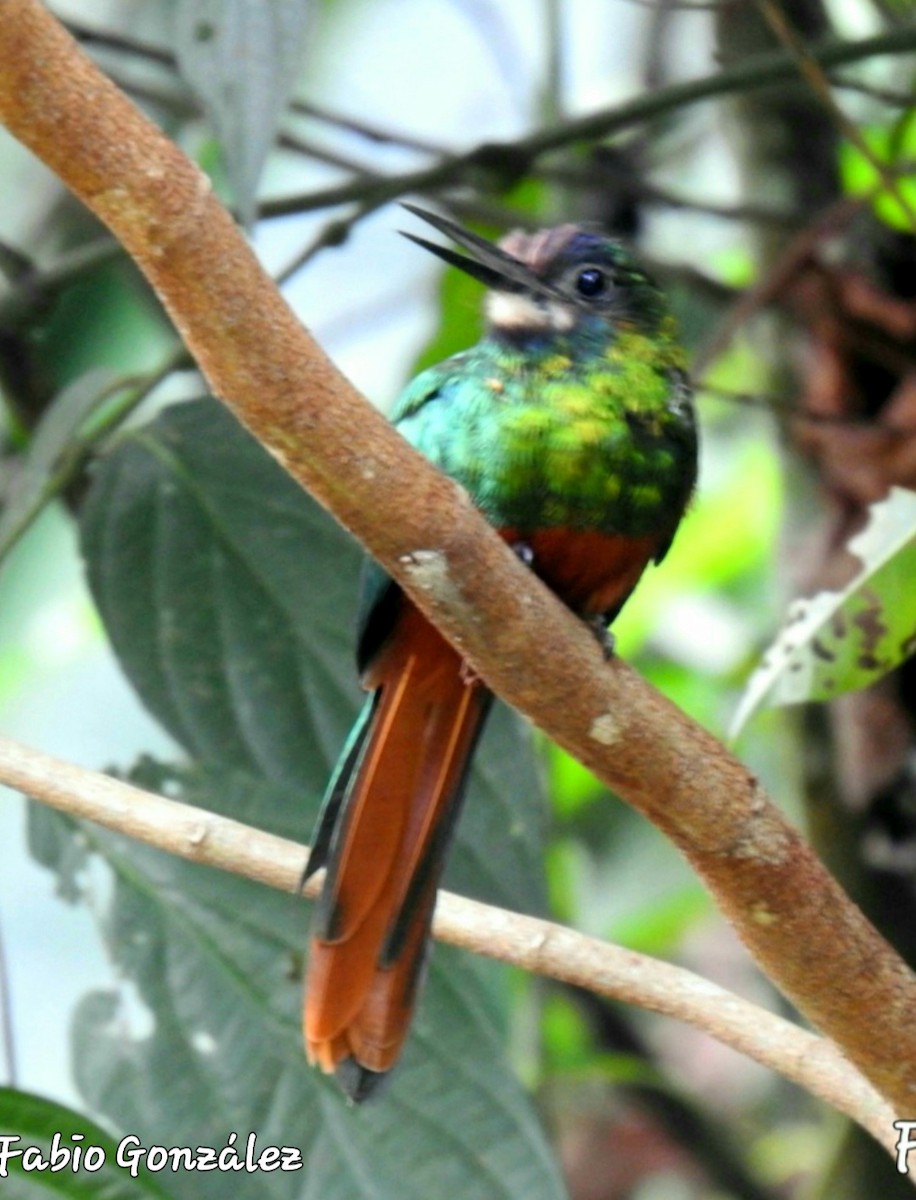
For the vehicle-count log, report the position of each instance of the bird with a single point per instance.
(571, 426)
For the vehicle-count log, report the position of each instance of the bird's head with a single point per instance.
(554, 281)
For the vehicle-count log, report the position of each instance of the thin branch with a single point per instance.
(649, 193)
(691, 6)
(126, 44)
(813, 72)
(832, 219)
(308, 148)
(124, 396)
(508, 160)
(873, 92)
(36, 285)
(332, 233)
(122, 43)
(796, 920)
(530, 943)
(371, 132)
(786, 408)
(553, 102)
(757, 71)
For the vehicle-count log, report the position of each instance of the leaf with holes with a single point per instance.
(840, 641)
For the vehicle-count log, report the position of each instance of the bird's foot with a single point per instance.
(603, 636)
(467, 674)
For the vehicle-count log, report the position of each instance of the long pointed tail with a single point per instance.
(384, 831)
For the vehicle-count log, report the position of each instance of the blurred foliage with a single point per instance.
(243, 58)
(891, 152)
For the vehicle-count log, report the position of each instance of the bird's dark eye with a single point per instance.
(591, 282)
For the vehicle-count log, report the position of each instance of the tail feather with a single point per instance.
(392, 808)
(337, 790)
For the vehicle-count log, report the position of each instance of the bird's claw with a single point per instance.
(597, 624)
(603, 636)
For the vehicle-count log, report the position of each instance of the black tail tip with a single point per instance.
(359, 1083)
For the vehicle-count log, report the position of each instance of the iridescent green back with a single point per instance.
(576, 431)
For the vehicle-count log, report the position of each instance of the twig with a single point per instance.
(121, 42)
(332, 233)
(788, 409)
(333, 158)
(501, 159)
(650, 193)
(758, 71)
(796, 920)
(700, 6)
(813, 72)
(885, 95)
(527, 942)
(798, 251)
(95, 428)
(126, 44)
(38, 284)
(365, 129)
(553, 95)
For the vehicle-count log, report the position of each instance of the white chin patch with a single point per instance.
(511, 311)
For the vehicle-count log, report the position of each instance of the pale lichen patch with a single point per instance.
(428, 569)
(279, 455)
(605, 729)
(762, 915)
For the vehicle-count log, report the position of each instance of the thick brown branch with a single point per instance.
(534, 945)
(796, 920)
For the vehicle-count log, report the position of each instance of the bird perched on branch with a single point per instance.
(571, 426)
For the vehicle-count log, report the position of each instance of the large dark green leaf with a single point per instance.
(215, 961)
(228, 595)
(225, 1051)
(34, 1121)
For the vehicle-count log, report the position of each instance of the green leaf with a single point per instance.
(215, 961)
(659, 925)
(892, 145)
(840, 641)
(228, 594)
(242, 58)
(35, 1121)
(458, 300)
(59, 442)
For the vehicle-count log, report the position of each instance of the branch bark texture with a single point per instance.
(258, 358)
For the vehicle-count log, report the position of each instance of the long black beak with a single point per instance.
(490, 265)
